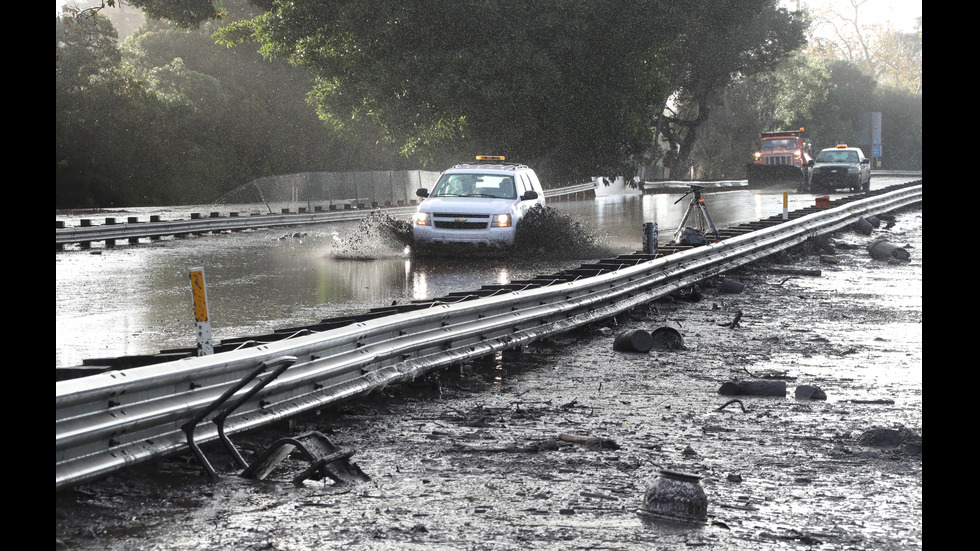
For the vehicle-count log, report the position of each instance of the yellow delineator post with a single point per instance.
(785, 205)
(203, 325)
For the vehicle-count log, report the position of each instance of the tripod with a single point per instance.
(702, 220)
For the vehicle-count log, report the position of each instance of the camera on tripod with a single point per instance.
(693, 232)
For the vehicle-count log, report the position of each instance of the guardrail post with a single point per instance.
(203, 325)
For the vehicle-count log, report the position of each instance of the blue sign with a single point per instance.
(876, 150)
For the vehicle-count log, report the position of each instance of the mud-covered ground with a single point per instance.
(473, 459)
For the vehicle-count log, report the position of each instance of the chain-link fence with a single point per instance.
(324, 190)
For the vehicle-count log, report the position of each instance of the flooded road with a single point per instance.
(135, 299)
(476, 456)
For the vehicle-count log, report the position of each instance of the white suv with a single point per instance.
(477, 204)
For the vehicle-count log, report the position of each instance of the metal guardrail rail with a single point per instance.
(133, 230)
(139, 230)
(108, 421)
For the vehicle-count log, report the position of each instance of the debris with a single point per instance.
(731, 286)
(689, 295)
(676, 497)
(769, 374)
(888, 218)
(730, 402)
(604, 443)
(810, 392)
(883, 250)
(753, 388)
(879, 437)
(734, 323)
(633, 341)
(598, 495)
(549, 444)
(666, 338)
(863, 226)
(793, 271)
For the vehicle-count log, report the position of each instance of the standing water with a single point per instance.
(135, 299)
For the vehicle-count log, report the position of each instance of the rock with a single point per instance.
(863, 226)
(880, 437)
(883, 250)
(731, 286)
(810, 392)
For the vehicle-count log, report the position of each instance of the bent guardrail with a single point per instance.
(107, 421)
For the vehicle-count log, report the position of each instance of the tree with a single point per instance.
(783, 99)
(720, 44)
(170, 117)
(890, 57)
(566, 84)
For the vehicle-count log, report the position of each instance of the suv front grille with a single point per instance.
(454, 225)
(460, 221)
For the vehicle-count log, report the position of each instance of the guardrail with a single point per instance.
(133, 230)
(107, 421)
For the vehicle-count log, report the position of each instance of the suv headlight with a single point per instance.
(423, 219)
(500, 221)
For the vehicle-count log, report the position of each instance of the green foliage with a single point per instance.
(186, 14)
(171, 118)
(564, 85)
(901, 128)
(189, 108)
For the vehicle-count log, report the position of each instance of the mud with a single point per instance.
(554, 448)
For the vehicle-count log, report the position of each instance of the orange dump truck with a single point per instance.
(781, 160)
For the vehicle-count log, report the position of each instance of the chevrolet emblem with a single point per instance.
(461, 220)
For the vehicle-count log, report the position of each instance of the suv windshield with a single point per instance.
(475, 185)
(837, 156)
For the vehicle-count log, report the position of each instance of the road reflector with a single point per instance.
(203, 325)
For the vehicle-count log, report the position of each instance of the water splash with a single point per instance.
(543, 233)
(547, 233)
(379, 235)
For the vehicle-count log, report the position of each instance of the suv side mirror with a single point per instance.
(809, 163)
(422, 192)
(529, 195)
(865, 161)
